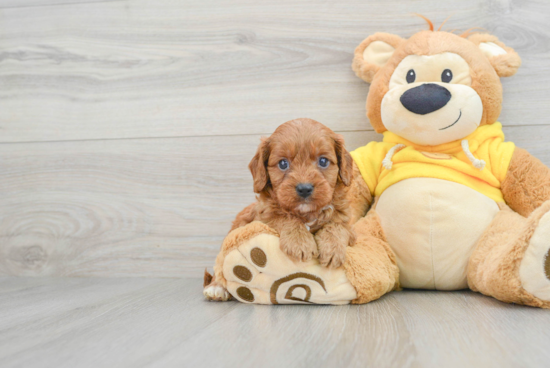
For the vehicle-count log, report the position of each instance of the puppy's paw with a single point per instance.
(332, 257)
(332, 249)
(216, 292)
(299, 245)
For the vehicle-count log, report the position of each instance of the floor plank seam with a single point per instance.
(221, 135)
(60, 4)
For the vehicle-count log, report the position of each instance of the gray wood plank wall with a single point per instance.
(126, 127)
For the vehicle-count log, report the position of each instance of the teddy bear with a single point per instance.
(442, 203)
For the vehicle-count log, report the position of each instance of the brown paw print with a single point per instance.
(252, 284)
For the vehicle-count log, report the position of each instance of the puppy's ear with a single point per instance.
(258, 166)
(503, 58)
(373, 53)
(345, 161)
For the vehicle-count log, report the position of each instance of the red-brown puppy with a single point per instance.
(301, 173)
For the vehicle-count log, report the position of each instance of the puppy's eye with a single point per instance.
(411, 76)
(283, 165)
(446, 76)
(324, 162)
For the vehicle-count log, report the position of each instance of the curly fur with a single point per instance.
(326, 211)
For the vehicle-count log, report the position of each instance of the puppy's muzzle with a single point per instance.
(304, 190)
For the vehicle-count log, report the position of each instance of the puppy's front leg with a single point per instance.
(296, 240)
(332, 241)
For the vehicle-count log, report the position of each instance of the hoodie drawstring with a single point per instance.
(479, 164)
(386, 162)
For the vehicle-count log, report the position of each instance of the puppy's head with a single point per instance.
(301, 165)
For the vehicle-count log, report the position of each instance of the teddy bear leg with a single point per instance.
(371, 265)
(510, 262)
(215, 287)
(252, 268)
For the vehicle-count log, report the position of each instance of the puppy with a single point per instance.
(301, 174)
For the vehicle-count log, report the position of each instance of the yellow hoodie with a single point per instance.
(382, 167)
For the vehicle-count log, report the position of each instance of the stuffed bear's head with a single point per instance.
(435, 87)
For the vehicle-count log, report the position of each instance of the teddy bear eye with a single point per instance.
(283, 165)
(446, 76)
(324, 162)
(411, 76)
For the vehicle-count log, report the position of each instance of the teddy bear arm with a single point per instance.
(527, 183)
(359, 196)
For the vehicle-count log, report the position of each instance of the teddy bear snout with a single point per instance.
(426, 98)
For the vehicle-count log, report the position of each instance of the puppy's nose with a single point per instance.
(304, 190)
(425, 98)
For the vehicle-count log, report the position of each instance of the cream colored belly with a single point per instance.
(433, 226)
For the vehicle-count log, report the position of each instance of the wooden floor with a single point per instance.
(136, 322)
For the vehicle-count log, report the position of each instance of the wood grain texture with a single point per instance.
(126, 127)
(149, 207)
(123, 207)
(166, 323)
(162, 68)
(5, 4)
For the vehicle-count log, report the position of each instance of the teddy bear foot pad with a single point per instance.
(259, 272)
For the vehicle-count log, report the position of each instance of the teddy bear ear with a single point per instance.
(373, 53)
(503, 58)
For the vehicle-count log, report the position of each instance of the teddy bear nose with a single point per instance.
(426, 98)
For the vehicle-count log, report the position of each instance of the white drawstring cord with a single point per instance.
(479, 164)
(386, 162)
